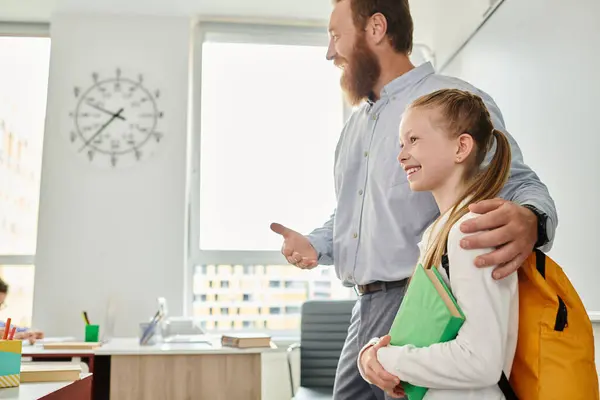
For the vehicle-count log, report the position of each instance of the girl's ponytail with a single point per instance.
(485, 185)
(489, 182)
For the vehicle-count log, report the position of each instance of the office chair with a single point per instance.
(323, 330)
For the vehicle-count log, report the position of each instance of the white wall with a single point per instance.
(112, 234)
(538, 59)
(445, 25)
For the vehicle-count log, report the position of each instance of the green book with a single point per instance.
(428, 314)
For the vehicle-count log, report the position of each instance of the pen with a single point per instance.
(85, 318)
(6, 329)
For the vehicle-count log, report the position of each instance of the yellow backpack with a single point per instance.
(555, 347)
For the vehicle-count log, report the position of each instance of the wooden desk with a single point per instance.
(81, 389)
(124, 370)
(183, 371)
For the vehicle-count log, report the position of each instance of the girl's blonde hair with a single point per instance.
(464, 112)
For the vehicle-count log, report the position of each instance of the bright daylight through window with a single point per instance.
(24, 67)
(271, 115)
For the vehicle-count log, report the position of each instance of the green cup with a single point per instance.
(92, 333)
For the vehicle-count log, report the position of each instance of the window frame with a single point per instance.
(32, 30)
(293, 33)
(242, 32)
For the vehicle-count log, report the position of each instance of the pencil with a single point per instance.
(12, 333)
(6, 329)
(85, 318)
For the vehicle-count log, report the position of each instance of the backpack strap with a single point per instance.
(540, 262)
(507, 390)
(504, 384)
(446, 264)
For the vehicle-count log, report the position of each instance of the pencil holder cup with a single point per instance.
(150, 334)
(10, 363)
(92, 333)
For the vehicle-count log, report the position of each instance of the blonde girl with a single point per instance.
(445, 137)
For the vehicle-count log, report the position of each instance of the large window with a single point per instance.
(269, 116)
(24, 67)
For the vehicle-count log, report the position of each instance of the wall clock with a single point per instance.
(116, 120)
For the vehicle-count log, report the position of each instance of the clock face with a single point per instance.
(116, 121)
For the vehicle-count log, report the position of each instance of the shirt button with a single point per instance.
(366, 153)
(355, 235)
(374, 117)
(360, 192)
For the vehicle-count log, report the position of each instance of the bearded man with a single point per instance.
(372, 237)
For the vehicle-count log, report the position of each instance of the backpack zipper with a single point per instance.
(561, 316)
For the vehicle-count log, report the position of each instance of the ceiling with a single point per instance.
(440, 24)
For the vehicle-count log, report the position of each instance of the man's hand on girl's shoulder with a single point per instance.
(506, 226)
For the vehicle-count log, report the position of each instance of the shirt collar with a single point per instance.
(405, 80)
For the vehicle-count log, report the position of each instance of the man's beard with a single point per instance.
(361, 72)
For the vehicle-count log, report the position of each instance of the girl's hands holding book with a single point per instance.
(376, 374)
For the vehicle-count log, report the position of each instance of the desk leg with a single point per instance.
(90, 363)
(101, 383)
(210, 377)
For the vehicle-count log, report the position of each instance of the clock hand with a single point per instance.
(102, 128)
(104, 110)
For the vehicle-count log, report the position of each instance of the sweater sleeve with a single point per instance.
(476, 357)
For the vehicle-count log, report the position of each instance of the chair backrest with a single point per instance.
(324, 327)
